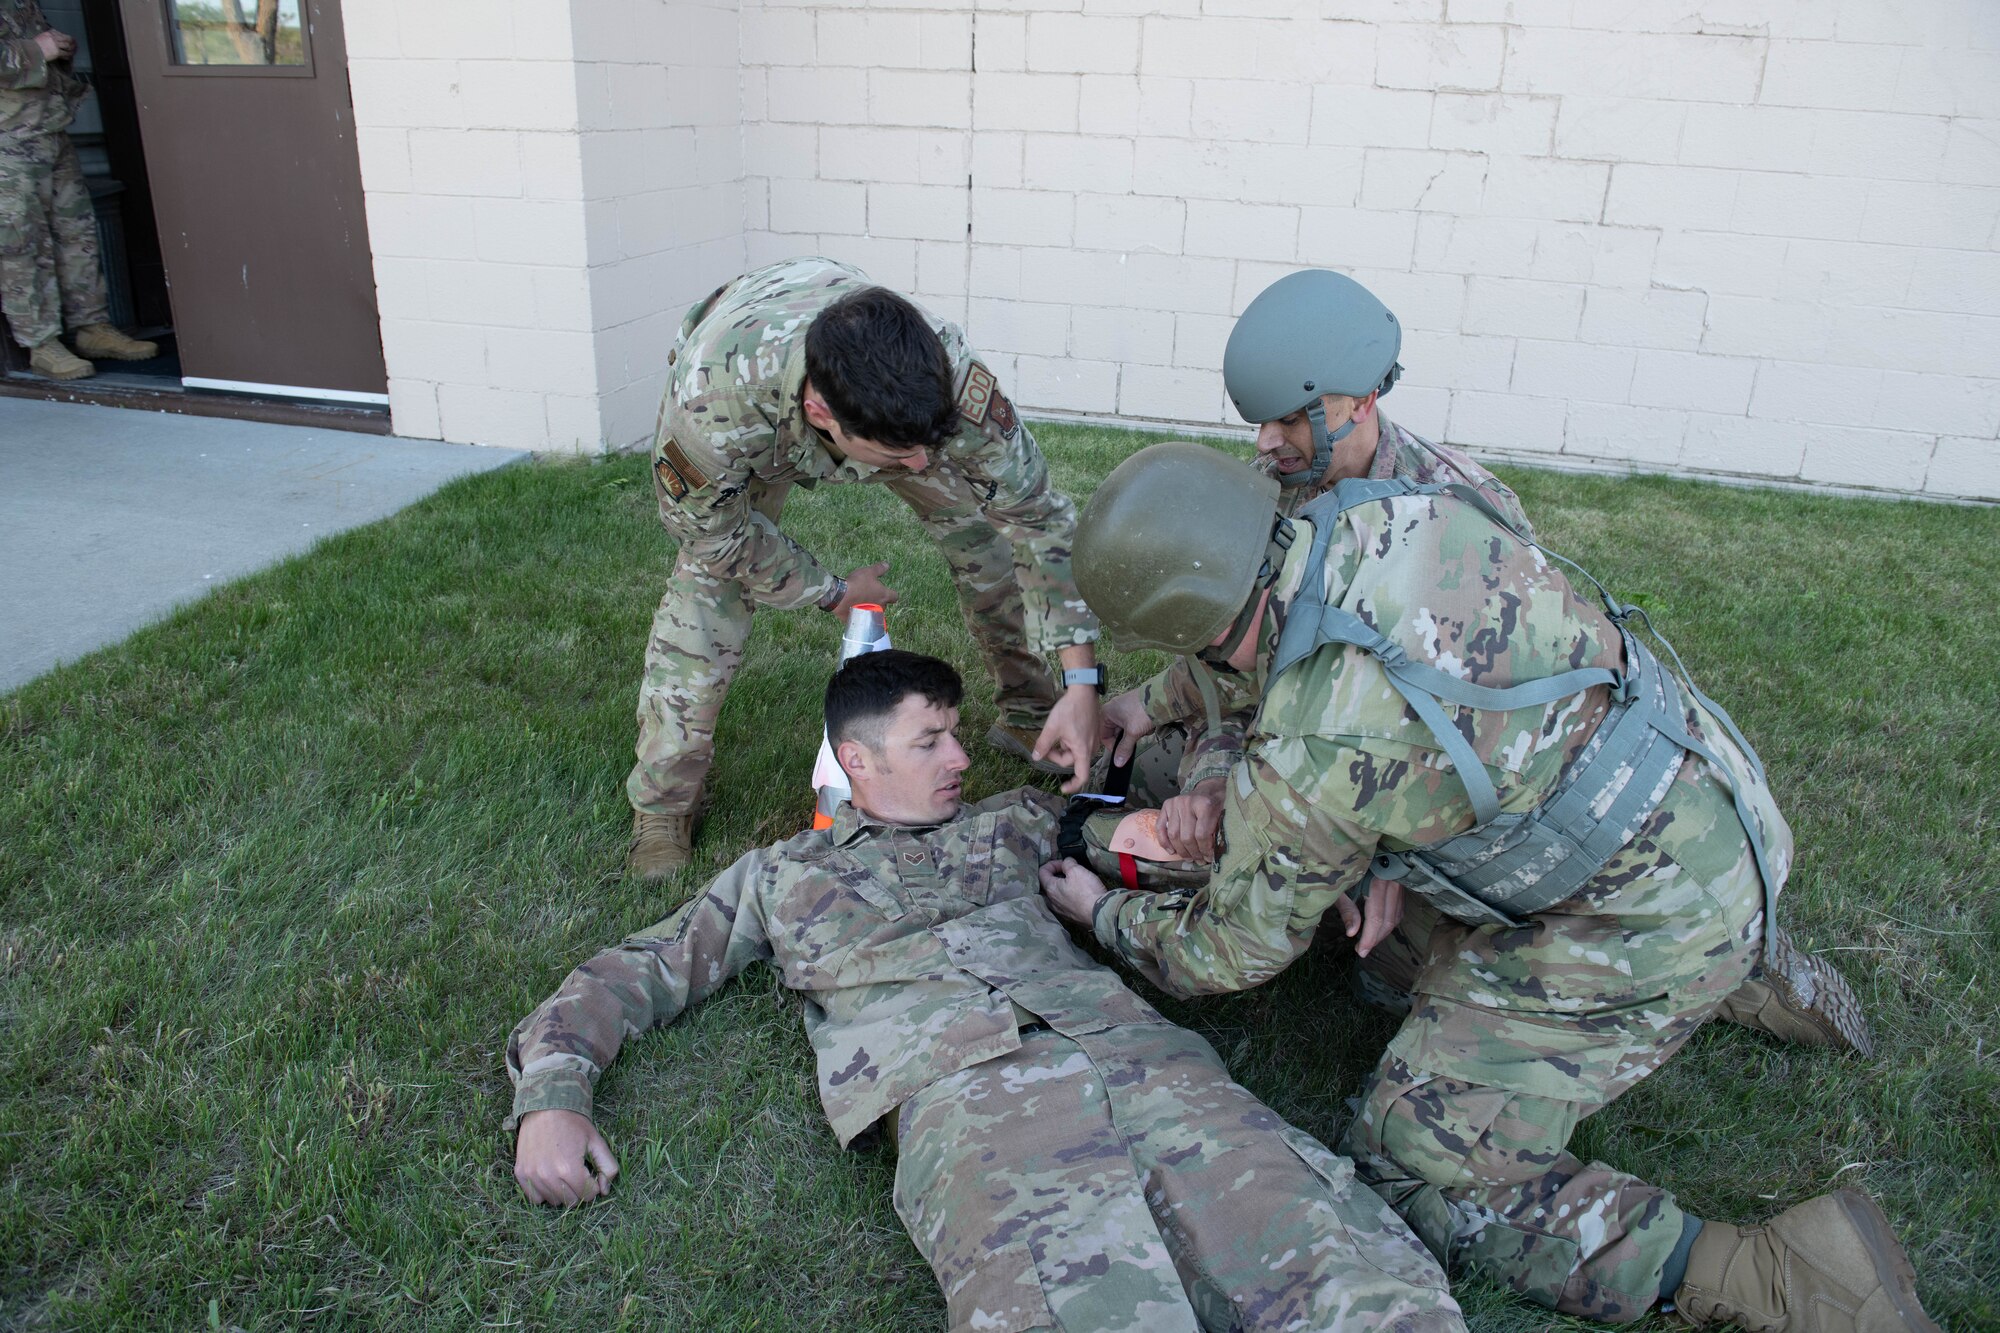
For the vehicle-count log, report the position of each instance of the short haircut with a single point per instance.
(882, 370)
(868, 689)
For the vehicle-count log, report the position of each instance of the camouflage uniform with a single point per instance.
(1067, 1158)
(733, 440)
(48, 232)
(1518, 1032)
(1171, 701)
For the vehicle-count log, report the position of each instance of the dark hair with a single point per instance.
(882, 369)
(867, 689)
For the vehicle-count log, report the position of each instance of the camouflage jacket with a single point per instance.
(38, 96)
(1171, 696)
(1336, 763)
(918, 951)
(734, 410)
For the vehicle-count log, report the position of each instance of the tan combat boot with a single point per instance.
(56, 362)
(1829, 1265)
(1018, 739)
(102, 342)
(661, 844)
(1799, 997)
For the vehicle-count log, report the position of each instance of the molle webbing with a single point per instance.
(1511, 866)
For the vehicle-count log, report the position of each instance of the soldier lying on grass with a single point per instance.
(1067, 1158)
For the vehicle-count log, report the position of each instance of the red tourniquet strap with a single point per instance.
(1128, 870)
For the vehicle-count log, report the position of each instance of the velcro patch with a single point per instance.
(1003, 414)
(672, 483)
(673, 470)
(975, 401)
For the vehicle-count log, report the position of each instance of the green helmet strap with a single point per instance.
(1323, 443)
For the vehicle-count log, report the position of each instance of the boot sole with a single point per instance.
(120, 356)
(1892, 1266)
(1825, 1001)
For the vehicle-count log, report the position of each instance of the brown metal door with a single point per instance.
(249, 139)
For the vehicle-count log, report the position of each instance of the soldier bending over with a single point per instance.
(803, 373)
(1067, 1158)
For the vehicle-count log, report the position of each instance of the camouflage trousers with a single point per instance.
(704, 621)
(1518, 1034)
(49, 275)
(1122, 1181)
(1513, 1037)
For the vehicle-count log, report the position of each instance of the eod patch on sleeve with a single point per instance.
(981, 402)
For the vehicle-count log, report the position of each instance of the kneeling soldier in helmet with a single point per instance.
(1437, 705)
(1308, 362)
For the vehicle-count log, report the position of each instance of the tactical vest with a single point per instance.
(1508, 867)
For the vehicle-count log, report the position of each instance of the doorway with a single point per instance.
(225, 127)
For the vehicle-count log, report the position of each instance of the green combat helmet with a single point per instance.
(1170, 548)
(1310, 333)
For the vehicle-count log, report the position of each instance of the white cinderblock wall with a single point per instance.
(549, 184)
(1753, 237)
(1741, 236)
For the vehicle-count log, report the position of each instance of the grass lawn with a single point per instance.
(278, 875)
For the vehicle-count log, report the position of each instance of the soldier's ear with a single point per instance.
(852, 756)
(818, 415)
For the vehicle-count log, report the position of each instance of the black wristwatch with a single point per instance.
(1090, 675)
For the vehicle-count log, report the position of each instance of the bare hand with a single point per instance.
(1123, 713)
(561, 1159)
(1072, 890)
(1383, 914)
(1069, 737)
(56, 45)
(1190, 821)
(865, 585)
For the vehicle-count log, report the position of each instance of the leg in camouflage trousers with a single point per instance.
(989, 593)
(49, 273)
(696, 646)
(1518, 1033)
(1122, 1181)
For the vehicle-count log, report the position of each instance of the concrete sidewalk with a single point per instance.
(110, 518)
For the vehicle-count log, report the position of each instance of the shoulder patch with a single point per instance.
(675, 473)
(975, 401)
(671, 483)
(1002, 413)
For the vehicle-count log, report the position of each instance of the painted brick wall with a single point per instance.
(662, 140)
(547, 186)
(1752, 237)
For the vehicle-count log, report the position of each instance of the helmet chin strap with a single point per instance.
(1323, 443)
